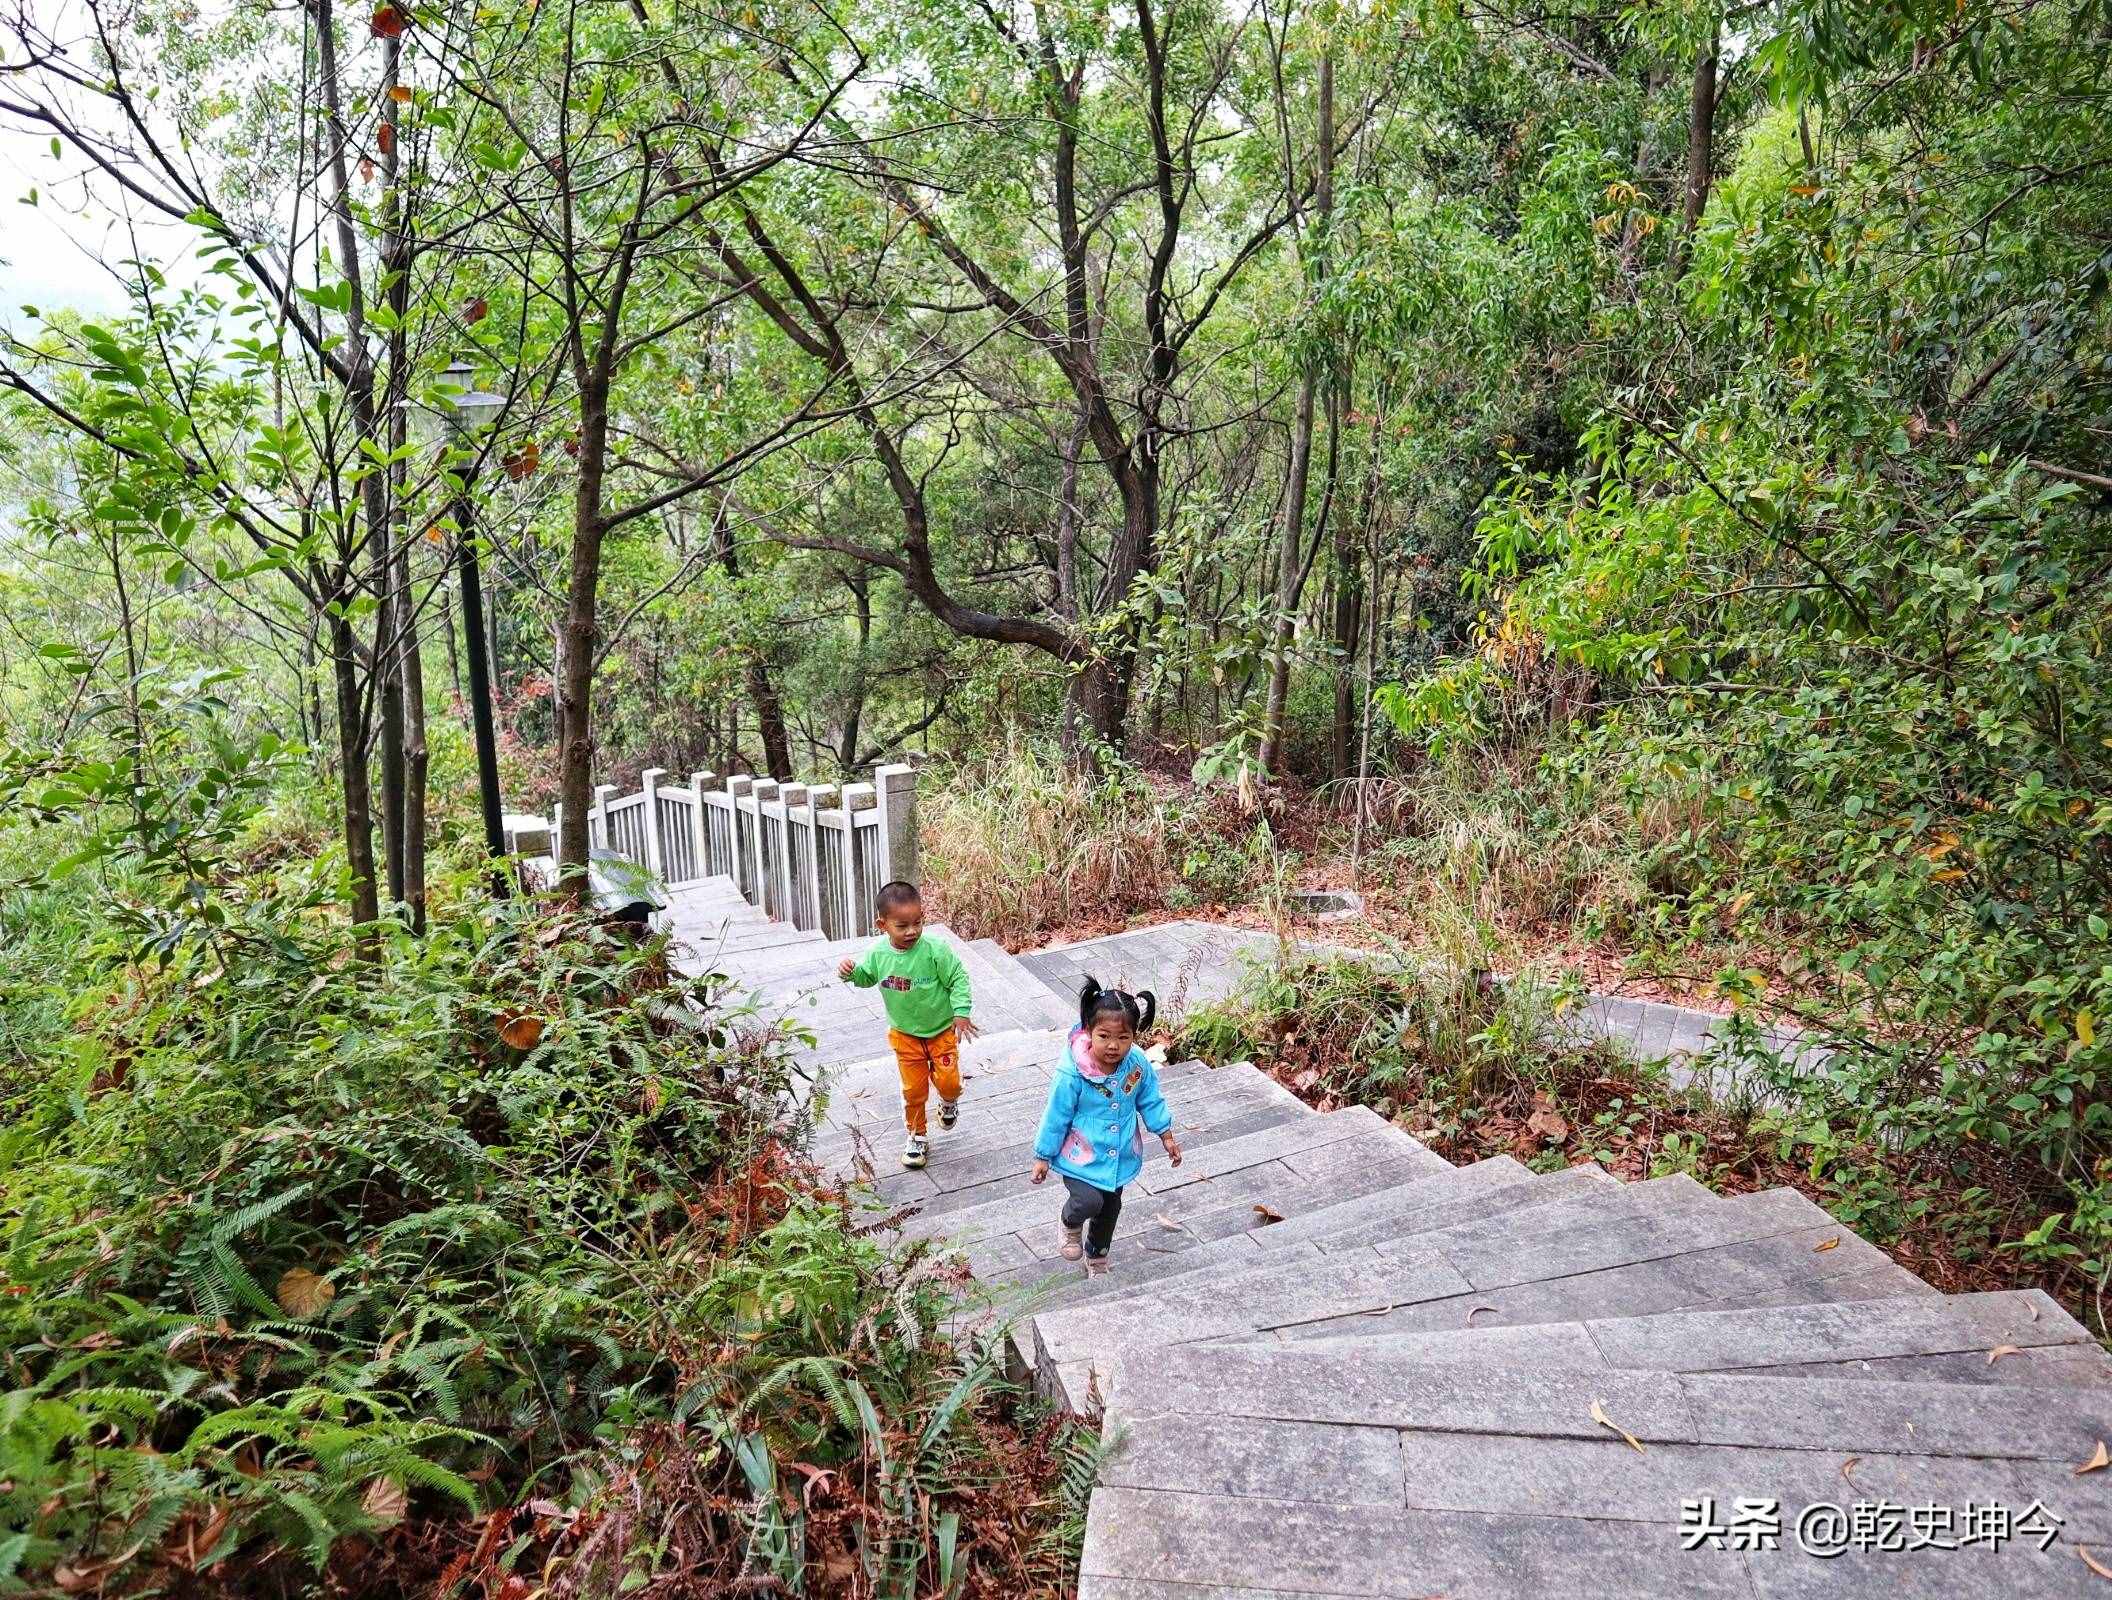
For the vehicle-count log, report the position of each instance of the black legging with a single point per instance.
(1100, 1207)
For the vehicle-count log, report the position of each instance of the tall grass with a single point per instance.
(1021, 844)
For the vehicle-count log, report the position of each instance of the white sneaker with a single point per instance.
(913, 1152)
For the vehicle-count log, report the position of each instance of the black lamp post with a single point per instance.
(461, 411)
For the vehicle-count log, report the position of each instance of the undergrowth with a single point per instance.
(482, 1264)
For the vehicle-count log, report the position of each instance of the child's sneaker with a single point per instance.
(1096, 1266)
(913, 1152)
(1073, 1243)
(949, 1113)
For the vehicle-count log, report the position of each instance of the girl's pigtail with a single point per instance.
(1088, 999)
(1150, 1003)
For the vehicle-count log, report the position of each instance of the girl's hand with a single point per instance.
(1173, 1146)
(965, 1029)
(1040, 1174)
(843, 968)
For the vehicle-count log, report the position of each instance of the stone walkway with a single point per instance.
(1193, 963)
(1329, 1365)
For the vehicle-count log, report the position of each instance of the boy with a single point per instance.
(925, 989)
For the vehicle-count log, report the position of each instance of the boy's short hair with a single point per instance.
(896, 896)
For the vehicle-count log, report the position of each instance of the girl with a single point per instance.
(1105, 1096)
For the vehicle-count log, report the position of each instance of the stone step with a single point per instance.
(1289, 1177)
(1010, 1113)
(1455, 1194)
(994, 1165)
(1162, 1256)
(1365, 1164)
(1921, 1336)
(1677, 1260)
(1029, 1077)
(1552, 1196)
(1569, 1200)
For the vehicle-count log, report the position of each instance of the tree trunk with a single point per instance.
(575, 670)
(352, 766)
(1701, 144)
(1290, 548)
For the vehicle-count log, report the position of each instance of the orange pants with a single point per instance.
(924, 1062)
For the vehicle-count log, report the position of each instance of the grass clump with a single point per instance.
(1024, 843)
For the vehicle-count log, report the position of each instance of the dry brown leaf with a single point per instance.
(1168, 1223)
(2034, 1310)
(1830, 1244)
(1267, 1216)
(385, 1501)
(399, 94)
(384, 137)
(2100, 1459)
(303, 1294)
(1472, 1309)
(476, 310)
(2000, 1351)
(1847, 1466)
(1547, 1123)
(1598, 1415)
(2093, 1563)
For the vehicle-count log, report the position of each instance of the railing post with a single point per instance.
(857, 797)
(655, 857)
(895, 792)
(700, 823)
(789, 796)
(743, 877)
(766, 872)
(818, 799)
(598, 825)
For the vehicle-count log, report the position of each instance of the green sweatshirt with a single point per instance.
(924, 987)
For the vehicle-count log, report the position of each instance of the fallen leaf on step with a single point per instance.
(1267, 1216)
(1831, 1244)
(1846, 1466)
(1472, 1309)
(2093, 1563)
(2000, 1351)
(2034, 1310)
(1168, 1223)
(1598, 1415)
(2098, 1461)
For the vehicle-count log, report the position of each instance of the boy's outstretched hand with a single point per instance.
(964, 1029)
(843, 968)
(1173, 1146)
(1040, 1174)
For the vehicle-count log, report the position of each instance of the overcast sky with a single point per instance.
(53, 254)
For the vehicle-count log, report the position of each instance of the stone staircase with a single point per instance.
(1330, 1364)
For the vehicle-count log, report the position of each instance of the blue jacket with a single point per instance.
(1093, 1129)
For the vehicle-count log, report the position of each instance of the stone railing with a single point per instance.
(813, 855)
